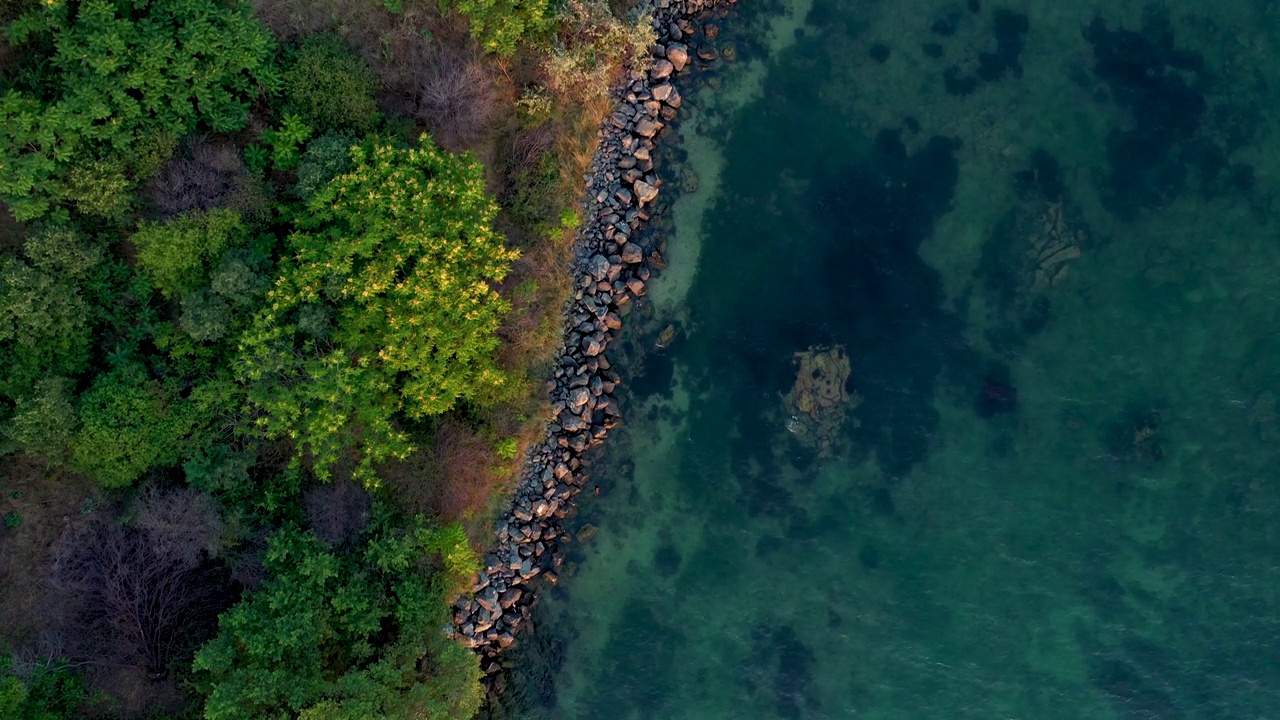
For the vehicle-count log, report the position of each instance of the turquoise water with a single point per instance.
(1042, 236)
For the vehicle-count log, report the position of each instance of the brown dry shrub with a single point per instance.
(452, 476)
(456, 99)
(466, 464)
(394, 44)
(46, 500)
(338, 512)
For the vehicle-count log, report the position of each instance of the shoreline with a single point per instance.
(611, 271)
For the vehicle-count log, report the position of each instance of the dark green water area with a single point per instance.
(1043, 235)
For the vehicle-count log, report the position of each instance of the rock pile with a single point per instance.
(820, 397)
(612, 268)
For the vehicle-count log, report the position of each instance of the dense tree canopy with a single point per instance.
(102, 78)
(313, 642)
(387, 305)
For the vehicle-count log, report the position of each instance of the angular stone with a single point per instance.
(632, 254)
(579, 397)
(592, 345)
(663, 91)
(645, 192)
(598, 267)
(678, 54)
(636, 286)
(646, 127)
(662, 69)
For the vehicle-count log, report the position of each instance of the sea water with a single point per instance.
(959, 396)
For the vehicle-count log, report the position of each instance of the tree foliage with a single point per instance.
(402, 252)
(330, 87)
(128, 424)
(114, 73)
(499, 25)
(44, 420)
(44, 316)
(179, 253)
(47, 692)
(346, 635)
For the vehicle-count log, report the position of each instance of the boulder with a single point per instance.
(632, 254)
(663, 91)
(678, 55)
(646, 127)
(579, 397)
(662, 69)
(598, 267)
(645, 192)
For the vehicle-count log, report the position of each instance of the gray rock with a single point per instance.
(579, 397)
(598, 266)
(592, 346)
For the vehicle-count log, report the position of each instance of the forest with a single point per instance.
(279, 283)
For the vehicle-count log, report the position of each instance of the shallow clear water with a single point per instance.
(1042, 235)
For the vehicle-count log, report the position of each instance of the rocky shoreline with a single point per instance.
(611, 267)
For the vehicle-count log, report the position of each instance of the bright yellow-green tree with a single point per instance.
(386, 305)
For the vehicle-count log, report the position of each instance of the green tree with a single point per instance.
(44, 317)
(129, 424)
(329, 87)
(326, 157)
(44, 421)
(403, 252)
(50, 692)
(177, 254)
(499, 25)
(205, 316)
(346, 635)
(110, 75)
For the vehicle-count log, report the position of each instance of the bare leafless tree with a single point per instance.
(142, 595)
(338, 512)
(207, 175)
(456, 97)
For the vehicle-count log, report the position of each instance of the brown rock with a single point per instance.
(646, 127)
(632, 254)
(678, 54)
(645, 192)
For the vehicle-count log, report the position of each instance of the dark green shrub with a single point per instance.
(346, 635)
(44, 317)
(48, 692)
(326, 157)
(44, 420)
(103, 78)
(329, 87)
(205, 316)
